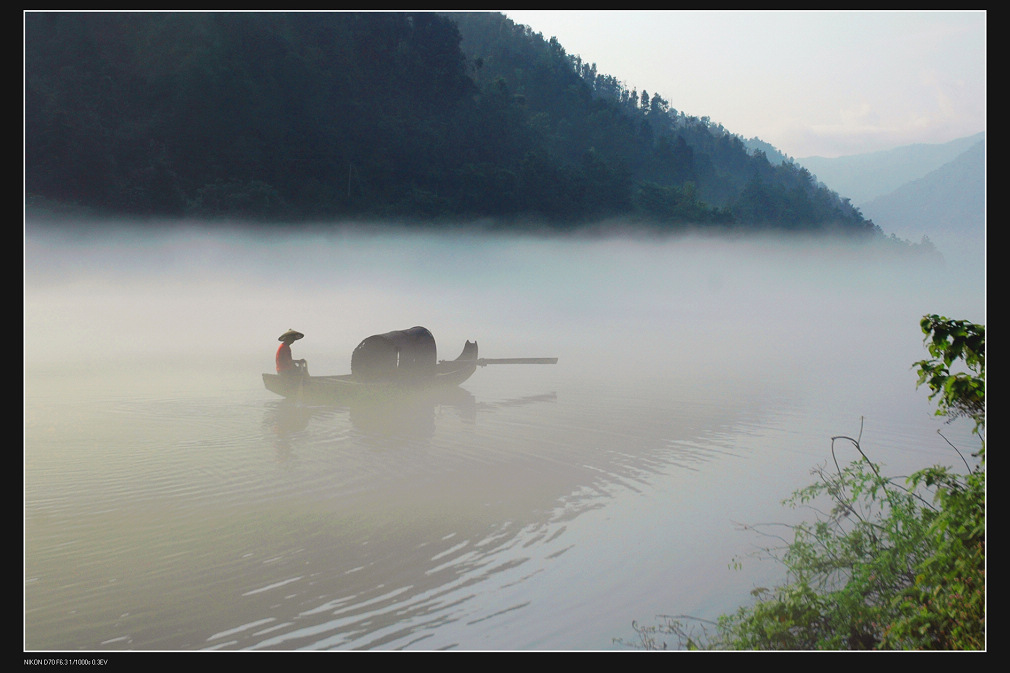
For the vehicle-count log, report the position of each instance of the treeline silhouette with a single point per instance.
(424, 117)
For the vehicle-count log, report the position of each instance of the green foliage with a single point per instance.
(885, 563)
(958, 393)
(945, 606)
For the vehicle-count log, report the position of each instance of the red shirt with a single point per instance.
(284, 361)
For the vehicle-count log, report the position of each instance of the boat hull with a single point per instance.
(348, 389)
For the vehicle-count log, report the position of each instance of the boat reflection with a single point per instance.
(411, 416)
(407, 417)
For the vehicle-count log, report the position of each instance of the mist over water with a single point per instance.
(171, 502)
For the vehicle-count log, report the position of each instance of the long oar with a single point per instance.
(483, 362)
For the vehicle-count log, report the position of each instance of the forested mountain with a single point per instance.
(423, 117)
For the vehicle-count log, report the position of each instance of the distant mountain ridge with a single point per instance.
(863, 177)
(952, 197)
(947, 205)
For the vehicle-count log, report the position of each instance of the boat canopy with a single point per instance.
(395, 355)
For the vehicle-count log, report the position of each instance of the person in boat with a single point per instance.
(286, 364)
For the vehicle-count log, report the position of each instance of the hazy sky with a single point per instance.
(811, 83)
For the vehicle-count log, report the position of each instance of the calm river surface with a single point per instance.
(172, 503)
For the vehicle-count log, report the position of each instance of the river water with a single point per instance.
(172, 503)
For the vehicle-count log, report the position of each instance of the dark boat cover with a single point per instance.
(395, 355)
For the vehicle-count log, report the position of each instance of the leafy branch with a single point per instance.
(960, 393)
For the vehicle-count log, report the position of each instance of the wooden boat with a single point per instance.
(387, 366)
